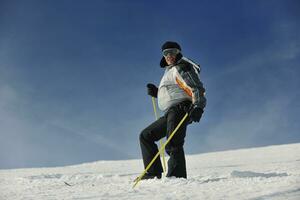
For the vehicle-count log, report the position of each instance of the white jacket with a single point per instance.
(179, 83)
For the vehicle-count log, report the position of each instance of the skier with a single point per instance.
(180, 91)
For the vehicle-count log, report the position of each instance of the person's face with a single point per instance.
(170, 59)
(170, 55)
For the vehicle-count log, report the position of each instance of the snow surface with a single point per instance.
(259, 173)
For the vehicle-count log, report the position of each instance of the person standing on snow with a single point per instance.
(180, 91)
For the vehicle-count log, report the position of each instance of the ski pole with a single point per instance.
(160, 150)
(161, 140)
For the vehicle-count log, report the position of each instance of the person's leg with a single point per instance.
(176, 163)
(148, 137)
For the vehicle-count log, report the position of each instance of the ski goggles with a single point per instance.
(171, 52)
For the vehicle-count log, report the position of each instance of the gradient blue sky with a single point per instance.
(73, 75)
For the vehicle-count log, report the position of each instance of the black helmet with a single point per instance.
(169, 45)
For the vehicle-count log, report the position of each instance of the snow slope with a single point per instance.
(259, 173)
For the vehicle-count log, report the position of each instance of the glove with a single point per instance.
(195, 113)
(152, 90)
(202, 102)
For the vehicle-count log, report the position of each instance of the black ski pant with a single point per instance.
(162, 127)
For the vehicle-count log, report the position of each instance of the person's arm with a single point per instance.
(189, 81)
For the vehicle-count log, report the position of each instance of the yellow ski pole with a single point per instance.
(160, 150)
(161, 140)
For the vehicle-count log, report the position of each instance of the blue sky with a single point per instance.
(73, 75)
